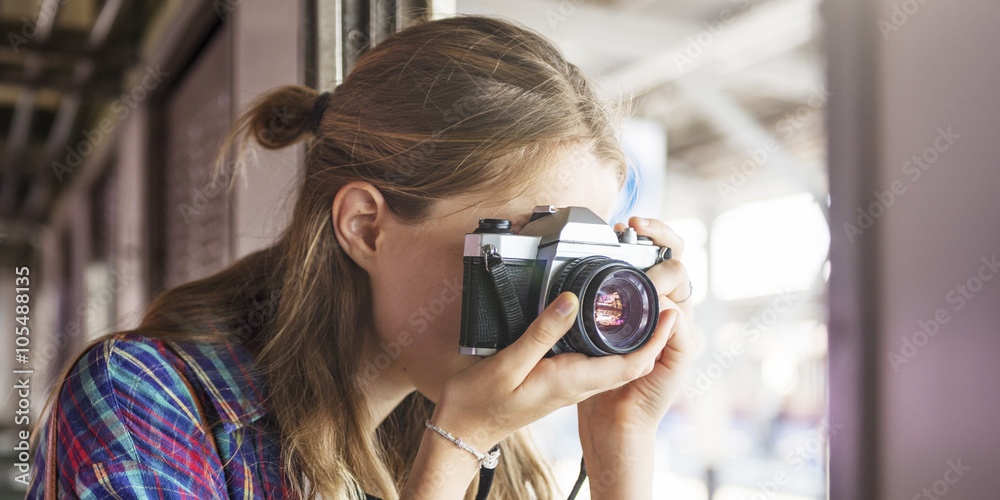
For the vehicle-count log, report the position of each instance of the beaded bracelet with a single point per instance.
(488, 460)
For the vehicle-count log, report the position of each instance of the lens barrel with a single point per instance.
(619, 308)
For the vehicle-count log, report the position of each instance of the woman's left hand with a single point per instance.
(630, 414)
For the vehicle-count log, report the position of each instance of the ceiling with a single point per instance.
(717, 74)
(61, 63)
(721, 76)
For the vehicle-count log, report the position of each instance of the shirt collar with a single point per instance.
(230, 378)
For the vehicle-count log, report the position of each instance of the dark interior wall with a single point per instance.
(939, 100)
(915, 322)
(197, 114)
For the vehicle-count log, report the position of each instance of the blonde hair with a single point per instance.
(460, 105)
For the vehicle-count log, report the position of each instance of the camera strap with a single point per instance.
(516, 325)
(512, 314)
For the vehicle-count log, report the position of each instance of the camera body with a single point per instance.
(558, 250)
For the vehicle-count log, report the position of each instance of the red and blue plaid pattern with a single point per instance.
(128, 427)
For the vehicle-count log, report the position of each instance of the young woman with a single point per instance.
(317, 361)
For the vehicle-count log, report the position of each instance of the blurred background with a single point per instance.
(728, 138)
(758, 126)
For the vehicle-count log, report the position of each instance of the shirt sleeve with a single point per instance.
(128, 428)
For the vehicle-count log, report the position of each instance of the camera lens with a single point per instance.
(620, 297)
(619, 307)
(496, 226)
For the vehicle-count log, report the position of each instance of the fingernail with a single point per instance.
(643, 222)
(565, 305)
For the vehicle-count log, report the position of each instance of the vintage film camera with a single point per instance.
(510, 278)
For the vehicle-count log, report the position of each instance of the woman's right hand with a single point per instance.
(489, 400)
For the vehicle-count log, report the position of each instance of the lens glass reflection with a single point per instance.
(621, 309)
(609, 310)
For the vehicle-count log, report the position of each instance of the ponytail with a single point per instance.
(277, 119)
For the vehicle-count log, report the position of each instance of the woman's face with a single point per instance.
(417, 283)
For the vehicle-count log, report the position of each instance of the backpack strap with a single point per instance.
(52, 473)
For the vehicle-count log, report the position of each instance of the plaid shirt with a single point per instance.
(129, 429)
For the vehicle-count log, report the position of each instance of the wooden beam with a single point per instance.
(107, 83)
(61, 41)
(17, 138)
(66, 118)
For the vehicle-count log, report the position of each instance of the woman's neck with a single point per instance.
(384, 388)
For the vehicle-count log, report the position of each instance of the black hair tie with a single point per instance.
(317, 113)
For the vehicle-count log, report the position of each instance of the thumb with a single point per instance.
(519, 358)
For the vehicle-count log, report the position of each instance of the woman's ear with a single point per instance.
(359, 214)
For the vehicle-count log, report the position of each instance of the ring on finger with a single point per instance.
(690, 293)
